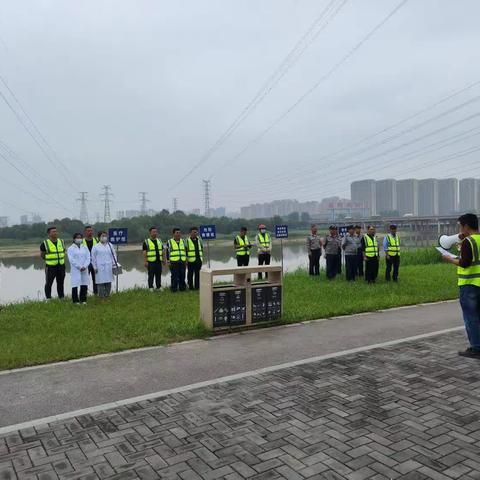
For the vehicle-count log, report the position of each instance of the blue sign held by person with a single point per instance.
(281, 231)
(118, 236)
(208, 232)
(342, 231)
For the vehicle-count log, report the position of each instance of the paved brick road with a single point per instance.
(411, 411)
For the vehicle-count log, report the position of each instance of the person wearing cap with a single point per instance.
(263, 241)
(391, 247)
(371, 254)
(332, 246)
(349, 247)
(358, 239)
(314, 250)
(242, 247)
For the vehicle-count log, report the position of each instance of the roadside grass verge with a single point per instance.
(42, 332)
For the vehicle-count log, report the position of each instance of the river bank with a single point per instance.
(41, 332)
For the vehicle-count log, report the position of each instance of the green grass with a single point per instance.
(40, 332)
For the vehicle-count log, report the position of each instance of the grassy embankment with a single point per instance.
(40, 332)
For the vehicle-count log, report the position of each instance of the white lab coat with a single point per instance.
(103, 261)
(79, 257)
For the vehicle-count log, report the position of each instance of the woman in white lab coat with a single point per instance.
(79, 258)
(103, 260)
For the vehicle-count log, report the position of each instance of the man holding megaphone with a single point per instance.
(468, 270)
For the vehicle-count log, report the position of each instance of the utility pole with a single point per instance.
(143, 203)
(83, 207)
(175, 204)
(106, 196)
(206, 196)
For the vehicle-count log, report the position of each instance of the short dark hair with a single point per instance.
(243, 229)
(370, 226)
(313, 225)
(193, 228)
(357, 226)
(76, 235)
(152, 228)
(350, 227)
(49, 229)
(88, 226)
(100, 233)
(469, 219)
(176, 229)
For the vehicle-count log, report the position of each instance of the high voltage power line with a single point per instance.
(331, 10)
(308, 92)
(60, 166)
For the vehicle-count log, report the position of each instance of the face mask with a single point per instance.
(78, 241)
(103, 239)
(262, 230)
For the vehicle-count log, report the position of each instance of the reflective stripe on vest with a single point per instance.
(371, 246)
(151, 251)
(471, 274)
(95, 241)
(177, 251)
(264, 240)
(393, 245)
(191, 254)
(54, 254)
(242, 242)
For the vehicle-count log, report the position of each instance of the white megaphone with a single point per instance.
(448, 241)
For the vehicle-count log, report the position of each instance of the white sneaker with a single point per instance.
(84, 303)
(151, 289)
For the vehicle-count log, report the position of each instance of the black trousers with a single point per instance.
(242, 260)
(360, 263)
(371, 269)
(193, 275)
(332, 265)
(154, 273)
(339, 264)
(264, 259)
(91, 271)
(52, 273)
(83, 294)
(392, 263)
(177, 274)
(350, 267)
(314, 262)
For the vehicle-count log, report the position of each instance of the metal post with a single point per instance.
(281, 248)
(116, 279)
(208, 252)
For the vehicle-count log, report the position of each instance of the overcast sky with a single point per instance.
(134, 93)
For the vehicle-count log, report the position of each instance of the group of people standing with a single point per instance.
(361, 251)
(88, 255)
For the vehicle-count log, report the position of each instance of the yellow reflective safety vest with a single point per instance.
(54, 254)
(242, 242)
(393, 245)
(95, 241)
(471, 274)
(177, 251)
(371, 246)
(191, 257)
(264, 241)
(151, 251)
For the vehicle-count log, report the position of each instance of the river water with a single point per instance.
(22, 278)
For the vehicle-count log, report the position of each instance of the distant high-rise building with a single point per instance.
(407, 196)
(3, 222)
(386, 195)
(469, 191)
(428, 197)
(24, 220)
(364, 191)
(218, 212)
(36, 218)
(447, 196)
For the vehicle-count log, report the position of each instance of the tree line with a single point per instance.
(164, 221)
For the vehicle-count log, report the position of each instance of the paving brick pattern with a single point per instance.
(411, 411)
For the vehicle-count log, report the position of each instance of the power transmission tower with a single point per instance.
(143, 203)
(106, 196)
(206, 196)
(175, 205)
(83, 207)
